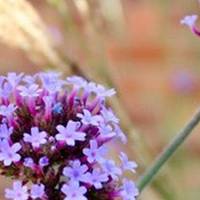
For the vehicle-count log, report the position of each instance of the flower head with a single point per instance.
(55, 134)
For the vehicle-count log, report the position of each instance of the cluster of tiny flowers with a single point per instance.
(190, 21)
(53, 140)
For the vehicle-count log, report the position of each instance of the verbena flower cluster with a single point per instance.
(53, 136)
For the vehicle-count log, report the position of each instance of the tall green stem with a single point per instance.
(168, 152)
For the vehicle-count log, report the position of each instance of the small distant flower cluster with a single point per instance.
(190, 21)
(53, 136)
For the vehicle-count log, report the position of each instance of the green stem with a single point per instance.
(168, 152)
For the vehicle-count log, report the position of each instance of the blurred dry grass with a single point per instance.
(139, 47)
(21, 27)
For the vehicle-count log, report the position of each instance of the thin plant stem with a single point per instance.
(148, 176)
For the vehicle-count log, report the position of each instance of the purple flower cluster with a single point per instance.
(53, 140)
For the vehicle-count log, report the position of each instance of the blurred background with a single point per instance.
(136, 46)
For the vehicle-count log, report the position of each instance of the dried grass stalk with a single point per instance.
(21, 27)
